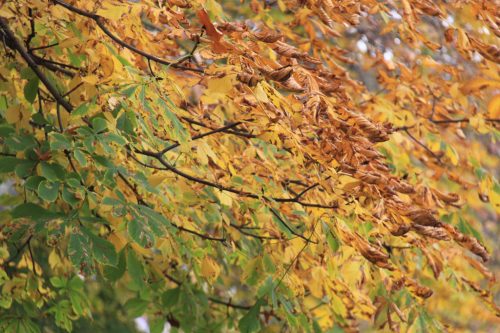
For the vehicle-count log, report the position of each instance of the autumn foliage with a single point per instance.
(273, 166)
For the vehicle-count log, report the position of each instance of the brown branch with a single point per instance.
(99, 20)
(275, 213)
(144, 203)
(43, 47)
(210, 298)
(228, 131)
(242, 230)
(463, 120)
(73, 89)
(242, 193)
(199, 136)
(423, 146)
(14, 44)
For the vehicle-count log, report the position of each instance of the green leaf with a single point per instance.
(68, 196)
(81, 110)
(113, 273)
(99, 124)
(140, 233)
(52, 171)
(31, 89)
(6, 130)
(59, 141)
(58, 282)
(465, 228)
(25, 168)
(136, 307)
(33, 182)
(78, 252)
(48, 191)
(102, 250)
(8, 163)
(135, 269)
(32, 211)
(250, 322)
(157, 325)
(80, 157)
(171, 297)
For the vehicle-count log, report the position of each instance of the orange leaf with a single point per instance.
(212, 32)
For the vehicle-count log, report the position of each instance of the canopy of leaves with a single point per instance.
(289, 165)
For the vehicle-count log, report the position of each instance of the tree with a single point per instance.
(290, 165)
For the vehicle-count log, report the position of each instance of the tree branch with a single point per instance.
(199, 136)
(100, 23)
(14, 44)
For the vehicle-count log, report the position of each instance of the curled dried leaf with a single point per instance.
(428, 7)
(402, 187)
(434, 262)
(448, 35)
(249, 79)
(417, 289)
(375, 133)
(286, 50)
(267, 36)
(433, 232)
(324, 17)
(180, 3)
(423, 217)
(481, 268)
(446, 197)
(280, 75)
(370, 177)
(400, 230)
(490, 52)
(293, 85)
(372, 253)
(468, 242)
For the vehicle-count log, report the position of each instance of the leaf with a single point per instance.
(214, 35)
(494, 107)
(114, 273)
(59, 142)
(140, 233)
(79, 252)
(250, 322)
(135, 269)
(32, 211)
(99, 124)
(8, 164)
(52, 171)
(171, 297)
(48, 190)
(102, 250)
(210, 269)
(31, 89)
(136, 307)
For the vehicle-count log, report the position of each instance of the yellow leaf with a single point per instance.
(260, 94)
(156, 179)
(479, 84)
(69, 42)
(225, 199)
(54, 259)
(451, 153)
(12, 115)
(107, 65)
(210, 269)
(113, 12)
(5, 12)
(494, 107)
